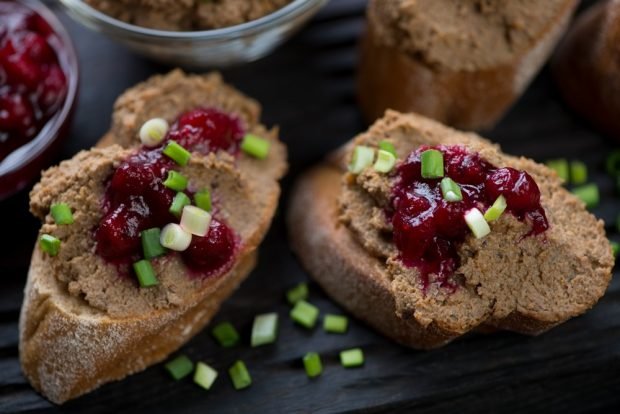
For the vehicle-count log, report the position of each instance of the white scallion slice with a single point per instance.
(153, 132)
(385, 161)
(496, 210)
(195, 220)
(362, 158)
(476, 223)
(173, 237)
(264, 329)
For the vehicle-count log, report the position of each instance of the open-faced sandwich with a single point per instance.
(427, 233)
(144, 237)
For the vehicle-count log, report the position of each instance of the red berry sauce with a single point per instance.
(428, 229)
(33, 85)
(136, 198)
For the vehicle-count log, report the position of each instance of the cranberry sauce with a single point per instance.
(32, 84)
(136, 198)
(428, 229)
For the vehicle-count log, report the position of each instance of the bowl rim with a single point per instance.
(294, 8)
(24, 155)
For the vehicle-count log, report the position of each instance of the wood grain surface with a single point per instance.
(307, 87)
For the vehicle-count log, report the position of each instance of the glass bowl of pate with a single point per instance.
(196, 33)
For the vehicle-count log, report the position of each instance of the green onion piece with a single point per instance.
(560, 166)
(255, 146)
(145, 273)
(450, 190)
(588, 194)
(195, 221)
(305, 314)
(496, 210)
(335, 323)
(151, 247)
(61, 213)
(180, 200)
(173, 237)
(176, 181)
(299, 292)
(312, 364)
(578, 172)
(177, 153)
(226, 334)
(49, 244)
(362, 157)
(476, 223)
(613, 163)
(615, 248)
(432, 164)
(180, 367)
(264, 329)
(204, 375)
(352, 358)
(153, 132)
(388, 146)
(385, 161)
(202, 199)
(239, 375)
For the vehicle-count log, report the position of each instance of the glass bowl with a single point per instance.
(206, 48)
(24, 164)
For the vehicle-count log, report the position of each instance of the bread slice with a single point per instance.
(522, 284)
(82, 323)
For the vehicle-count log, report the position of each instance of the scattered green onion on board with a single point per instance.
(385, 161)
(362, 158)
(264, 329)
(225, 334)
(560, 166)
(202, 199)
(204, 376)
(180, 367)
(151, 247)
(615, 248)
(255, 146)
(305, 314)
(613, 163)
(496, 210)
(180, 200)
(312, 364)
(432, 164)
(588, 194)
(335, 323)
(387, 146)
(578, 172)
(176, 181)
(240, 375)
(299, 292)
(61, 213)
(351, 358)
(49, 244)
(450, 190)
(177, 153)
(476, 223)
(145, 273)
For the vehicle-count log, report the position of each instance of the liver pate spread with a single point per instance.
(185, 15)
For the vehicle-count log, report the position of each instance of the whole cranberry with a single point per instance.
(463, 166)
(518, 187)
(20, 69)
(207, 130)
(118, 234)
(36, 48)
(17, 115)
(53, 89)
(214, 251)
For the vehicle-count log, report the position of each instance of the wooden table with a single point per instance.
(307, 87)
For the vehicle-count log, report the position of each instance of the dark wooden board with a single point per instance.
(307, 87)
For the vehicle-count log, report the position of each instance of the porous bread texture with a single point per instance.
(509, 281)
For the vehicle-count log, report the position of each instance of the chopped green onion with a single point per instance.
(176, 181)
(173, 237)
(202, 199)
(145, 273)
(49, 244)
(299, 292)
(432, 164)
(588, 194)
(177, 153)
(388, 146)
(385, 161)
(496, 210)
(151, 247)
(312, 364)
(560, 166)
(195, 220)
(450, 190)
(204, 375)
(578, 172)
(180, 367)
(613, 163)
(180, 200)
(239, 375)
(352, 358)
(305, 314)
(335, 323)
(225, 334)
(362, 157)
(264, 329)
(476, 223)
(61, 213)
(615, 248)
(255, 146)
(153, 132)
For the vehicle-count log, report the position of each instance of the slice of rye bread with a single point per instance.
(508, 281)
(80, 329)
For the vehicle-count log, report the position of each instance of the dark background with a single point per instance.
(307, 87)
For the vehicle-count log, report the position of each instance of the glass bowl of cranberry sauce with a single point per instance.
(38, 89)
